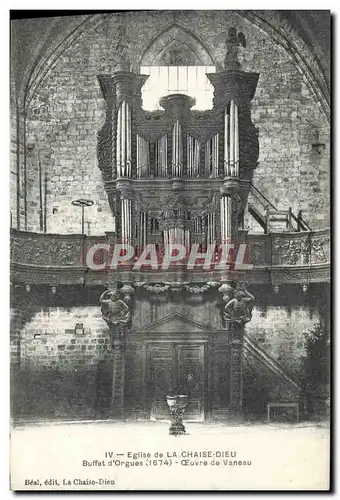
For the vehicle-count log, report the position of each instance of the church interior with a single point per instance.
(170, 128)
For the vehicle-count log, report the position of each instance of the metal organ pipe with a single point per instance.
(118, 141)
(161, 157)
(128, 139)
(123, 219)
(216, 155)
(193, 152)
(226, 140)
(123, 136)
(228, 215)
(211, 228)
(196, 158)
(126, 215)
(225, 208)
(138, 155)
(177, 153)
(123, 142)
(236, 142)
(222, 219)
(143, 230)
(164, 155)
(189, 155)
(232, 136)
(207, 159)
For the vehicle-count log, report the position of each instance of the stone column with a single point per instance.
(118, 377)
(236, 375)
(116, 311)
(236, 313)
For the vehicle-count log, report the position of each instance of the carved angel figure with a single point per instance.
(234, 41)
(122, 45)
(114, 310)
(239, 309)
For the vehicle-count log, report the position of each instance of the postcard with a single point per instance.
(170, 250)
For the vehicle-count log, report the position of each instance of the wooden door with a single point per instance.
(177, 368)
(162, 378)
(191, 378)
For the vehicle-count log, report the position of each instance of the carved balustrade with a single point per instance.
(35, 257)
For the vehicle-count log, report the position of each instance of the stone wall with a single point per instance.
(49, 339)
(68, 110)
(63, 372)
(60, 371)
(281, 332)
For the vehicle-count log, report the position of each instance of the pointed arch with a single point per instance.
(193, 48)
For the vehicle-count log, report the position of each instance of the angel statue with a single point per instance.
(121, 49)
(234, 41)
(122, 43)
(114, 310)
(239, 309)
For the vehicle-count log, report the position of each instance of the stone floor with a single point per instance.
(142, 456)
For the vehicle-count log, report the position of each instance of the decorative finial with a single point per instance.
(121, 48)
(234, 41)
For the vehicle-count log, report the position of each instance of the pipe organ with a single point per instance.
(180, 176)
(175, 152)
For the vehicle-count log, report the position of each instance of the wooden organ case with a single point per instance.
(178, 176)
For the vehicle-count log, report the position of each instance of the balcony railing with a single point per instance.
(46, 258)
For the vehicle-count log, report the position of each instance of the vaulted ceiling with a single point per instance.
(36, 42)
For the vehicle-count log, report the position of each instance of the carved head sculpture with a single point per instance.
(239, 295)
(114, 296)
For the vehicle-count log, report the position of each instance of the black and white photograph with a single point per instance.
(170, 250)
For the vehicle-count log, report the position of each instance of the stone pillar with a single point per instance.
(116, 311)
(118, 377)
(236, 375)
(236, 313)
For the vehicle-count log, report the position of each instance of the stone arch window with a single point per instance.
(177, 62)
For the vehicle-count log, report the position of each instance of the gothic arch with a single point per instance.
(176, 36)
(47, 52)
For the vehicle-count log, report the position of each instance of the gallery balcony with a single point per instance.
(276, 258)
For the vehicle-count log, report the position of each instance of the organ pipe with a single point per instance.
(226, 146)
(232, 136)
(236, 142)
(126, 220)
(226, 215)
(143, 159)
(161, 157)
(177, 153)
(123, 142)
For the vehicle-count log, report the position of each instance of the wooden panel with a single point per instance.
(134, 397)
(222, 371)
(162, 378)
(176, 368)
(191, 379)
